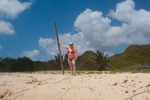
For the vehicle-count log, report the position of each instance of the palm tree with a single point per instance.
(57, 59)
(101, 60)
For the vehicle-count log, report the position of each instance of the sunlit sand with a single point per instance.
(55, 86)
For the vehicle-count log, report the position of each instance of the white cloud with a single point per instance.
(137, 20)
(93, 27)
(49, 45)
(34, 55)
(6, 28)
(1, 47)
(11, 8)
(95, 32)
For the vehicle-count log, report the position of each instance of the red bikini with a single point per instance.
(71, 58)
(72, 51)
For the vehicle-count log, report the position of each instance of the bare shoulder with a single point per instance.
(75, 48)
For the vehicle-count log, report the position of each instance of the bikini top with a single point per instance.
(72, 51)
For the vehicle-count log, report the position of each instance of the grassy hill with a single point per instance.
(84, 62)
(133, 55)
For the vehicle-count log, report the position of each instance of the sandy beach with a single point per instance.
(55, 86)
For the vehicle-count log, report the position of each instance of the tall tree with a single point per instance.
(101, 60)
(22, 64)
(57, 59)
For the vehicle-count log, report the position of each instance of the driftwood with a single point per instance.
(59, 48)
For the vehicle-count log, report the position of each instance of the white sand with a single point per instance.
(46, 86)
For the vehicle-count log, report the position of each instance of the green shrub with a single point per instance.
(22, 64)
(134, 69)
(90, 73)
(79, 73)
(99, 72)
(106, 72)
(112, 72)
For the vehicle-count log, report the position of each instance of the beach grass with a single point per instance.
(99, 72)
(91, 72)
(134, 69)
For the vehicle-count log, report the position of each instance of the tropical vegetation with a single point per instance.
(134, 58)
(101, 60)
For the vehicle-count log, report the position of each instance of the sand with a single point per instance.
(55, 86)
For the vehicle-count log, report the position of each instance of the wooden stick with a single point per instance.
(59, 48)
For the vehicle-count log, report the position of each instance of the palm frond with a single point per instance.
(101, 60)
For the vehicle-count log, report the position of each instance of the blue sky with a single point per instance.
(27, 26)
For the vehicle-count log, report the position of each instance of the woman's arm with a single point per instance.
(63, 46)
(76, 54)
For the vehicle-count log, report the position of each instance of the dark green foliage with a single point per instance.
(4, 63)
(101, 61)
(26, 64)
(22, 64)
(7, 60)
(65, 62)
(50, 65)
(57, 59)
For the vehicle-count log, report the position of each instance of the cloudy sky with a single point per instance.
(27, 26)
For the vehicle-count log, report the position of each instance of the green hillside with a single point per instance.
(85, 61)
(133, 55)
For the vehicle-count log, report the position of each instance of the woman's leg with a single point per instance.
(70, 65)
(74, 66)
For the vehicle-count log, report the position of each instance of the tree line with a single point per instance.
(22, 64)
(13, 65)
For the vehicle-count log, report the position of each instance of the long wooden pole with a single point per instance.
(59, 49)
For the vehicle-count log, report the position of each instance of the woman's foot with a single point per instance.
(74, 74)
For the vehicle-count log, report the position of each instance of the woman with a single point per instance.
(72, 57)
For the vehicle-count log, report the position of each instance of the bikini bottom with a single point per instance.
(71, 58)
